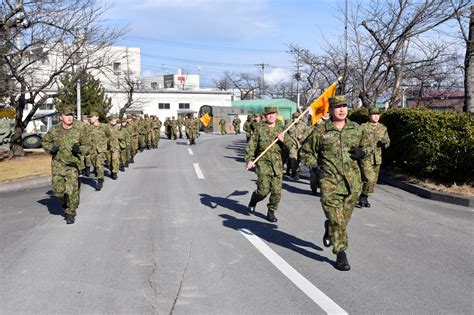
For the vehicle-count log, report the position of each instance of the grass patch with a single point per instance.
(453, 188)
(33, 164)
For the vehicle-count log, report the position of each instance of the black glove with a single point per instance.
(75, 149)
(319, 172)
(54, 150)
(382, 142)
(356, 153)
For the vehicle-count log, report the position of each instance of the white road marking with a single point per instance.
(199, 173)
(328, 305)
(190, 152)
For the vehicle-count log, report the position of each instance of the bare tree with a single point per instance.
(246, 83)
(54, 35)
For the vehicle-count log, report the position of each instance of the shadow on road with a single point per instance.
(271, 234)
(266, 231)
(296, 190)
(212, 202)
(54, 204)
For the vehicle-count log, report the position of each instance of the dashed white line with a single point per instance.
(190, 151)
(199, 173)
(318, 296)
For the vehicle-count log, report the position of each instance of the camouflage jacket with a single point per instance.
(246, 126)
(298, 133)
(271, 163)
(375, 133)
(124, 137)
(236, 123)
(99, 136)
(330, 147)
(113, 137)
(64, 139)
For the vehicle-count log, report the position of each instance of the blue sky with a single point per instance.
(212, 36)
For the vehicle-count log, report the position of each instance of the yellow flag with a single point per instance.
(321, 105)
(205, 119)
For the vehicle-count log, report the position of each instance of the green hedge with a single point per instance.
(429, 143)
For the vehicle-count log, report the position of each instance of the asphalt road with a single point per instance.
(172, 236)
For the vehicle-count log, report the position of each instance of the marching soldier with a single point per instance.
(99, 134)
(66, 141)
(113, 154)
(180, 124)
(236, 124)
(270, 166)
(298, 134)
(247, 129)
(124, 144)
(174, 127)
(85, 158)
(378, 140)
(338, 146)
(222, 126)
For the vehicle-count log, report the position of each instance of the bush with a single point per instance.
(431, 144)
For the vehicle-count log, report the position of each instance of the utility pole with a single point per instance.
(297, 76)
(261, 90)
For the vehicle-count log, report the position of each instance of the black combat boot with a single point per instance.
(113, 176)
(132, 160)
(122, 168)
(363, 202)
(341, 262)
(69, 219)
(100, 184)
(326, 237)
(253, 203)
(271, 216)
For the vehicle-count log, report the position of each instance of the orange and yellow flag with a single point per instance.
(321, 105)
(205, 119)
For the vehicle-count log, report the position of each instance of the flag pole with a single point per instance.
(287, 128)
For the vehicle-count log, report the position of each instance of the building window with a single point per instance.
(163, 105)
(154, 85)
(183, 105)
(116, 66)
(46, 106)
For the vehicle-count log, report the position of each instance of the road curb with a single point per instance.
(425, 192)
(27, 183)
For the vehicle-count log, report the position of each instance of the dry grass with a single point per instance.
(466, 189)
(32, 165)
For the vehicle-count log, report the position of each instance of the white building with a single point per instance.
(167, 95)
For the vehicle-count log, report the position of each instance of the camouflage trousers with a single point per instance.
(134, 146)
(85, 161)
(66, 187)
(269, 184)
(370, 175)
(98, 163)
(114, 160)
(223, 131)
(338, 210)
(124, 155)
(157, 138)
(142, 141)
(150, 138)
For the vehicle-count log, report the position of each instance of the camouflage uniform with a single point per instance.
(174, 127)
(341, 183)
(247, 129)
(222, 126)
(236, 125)
(269, 168)
(124, 144)
(298, 134)
(65, 164)
(376, 134)
(157, 129)
(142, 132)
(99, 136)
(113, 154)
(180, 124)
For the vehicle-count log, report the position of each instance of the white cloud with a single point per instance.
(277, 75)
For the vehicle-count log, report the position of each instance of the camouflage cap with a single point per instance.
(337, 100)
(67, 110)
(94, 114)
(374, 111)
(270, 110)
(296, 115)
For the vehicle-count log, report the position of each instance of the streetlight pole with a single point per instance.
(78, 92)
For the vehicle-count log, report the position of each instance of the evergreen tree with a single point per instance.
(93, 97)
